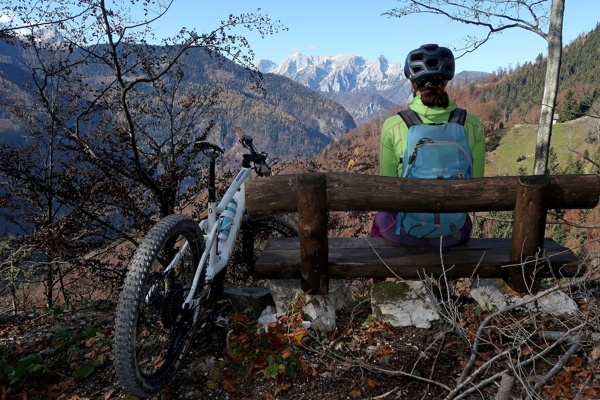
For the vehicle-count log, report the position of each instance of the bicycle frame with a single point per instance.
(216, 252)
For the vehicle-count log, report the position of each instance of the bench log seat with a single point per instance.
(380, 258)
(314, 257)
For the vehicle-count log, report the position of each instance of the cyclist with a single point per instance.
(429, 69)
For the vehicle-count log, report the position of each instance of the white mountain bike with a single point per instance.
(175, 277)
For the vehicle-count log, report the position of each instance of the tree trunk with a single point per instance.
(544, 133)
(13, 287)
(49, 285)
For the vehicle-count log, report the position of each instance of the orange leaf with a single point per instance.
(596, 352)
(334, 334)
(565, 377)
(108, 394)
(304, 366)
(228, 385)
(576, 361)
(91, 341)
(90, 354)
(354, 393)
(372, 384)
(314, 371)
(298, 334)
(286, 354)
(212, 385)
(526, 350)
(282, 388)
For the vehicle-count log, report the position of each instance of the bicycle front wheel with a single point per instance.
(152, 331)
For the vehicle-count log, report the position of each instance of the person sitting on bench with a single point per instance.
(429, 69)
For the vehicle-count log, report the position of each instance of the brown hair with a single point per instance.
(433, 94)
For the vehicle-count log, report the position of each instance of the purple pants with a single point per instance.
(384, 225)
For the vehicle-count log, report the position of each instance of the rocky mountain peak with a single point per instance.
(345, 73)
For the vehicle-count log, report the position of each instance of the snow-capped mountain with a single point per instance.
(339, 74)
(365, 88)
(265, 66)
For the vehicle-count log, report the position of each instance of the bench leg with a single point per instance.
(529, 225)
(312, 227)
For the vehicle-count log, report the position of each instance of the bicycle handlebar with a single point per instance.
(258, 159)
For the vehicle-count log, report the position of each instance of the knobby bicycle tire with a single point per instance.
(152, 331)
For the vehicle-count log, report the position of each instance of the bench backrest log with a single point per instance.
(313, 195)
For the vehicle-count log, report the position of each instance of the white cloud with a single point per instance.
(6, 16)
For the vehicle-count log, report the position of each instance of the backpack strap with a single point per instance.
(410, 117)
(458, 116)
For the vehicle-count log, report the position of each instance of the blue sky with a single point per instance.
(357, 27)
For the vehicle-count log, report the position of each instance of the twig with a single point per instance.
(559, 365)
(228, 348)
(381, 396)
(383, 262)
(489, 318)
(582, 388)
(434, 363)
(485, 382)
(556, 335)
(506, 385)
(360, 364)
(399, 373)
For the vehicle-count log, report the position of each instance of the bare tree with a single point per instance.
(497, 16)
(110, 120)
(13, 261)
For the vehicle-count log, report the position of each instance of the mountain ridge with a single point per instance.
(343, 73)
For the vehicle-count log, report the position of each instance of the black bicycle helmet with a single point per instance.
(429, 62)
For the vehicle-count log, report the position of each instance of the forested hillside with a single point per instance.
(287, 119)
(513, 95)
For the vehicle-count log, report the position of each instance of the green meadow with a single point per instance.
(516, 147)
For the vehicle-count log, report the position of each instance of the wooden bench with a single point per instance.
(314, 257)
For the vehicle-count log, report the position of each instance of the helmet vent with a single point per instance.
(432, 63)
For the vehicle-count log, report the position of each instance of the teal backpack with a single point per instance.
(435, 151)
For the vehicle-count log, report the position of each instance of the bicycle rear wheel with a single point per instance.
(250, 244)
(152, 331)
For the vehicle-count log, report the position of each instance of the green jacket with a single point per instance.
(394, 130)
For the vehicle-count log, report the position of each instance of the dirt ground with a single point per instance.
(68, 355)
